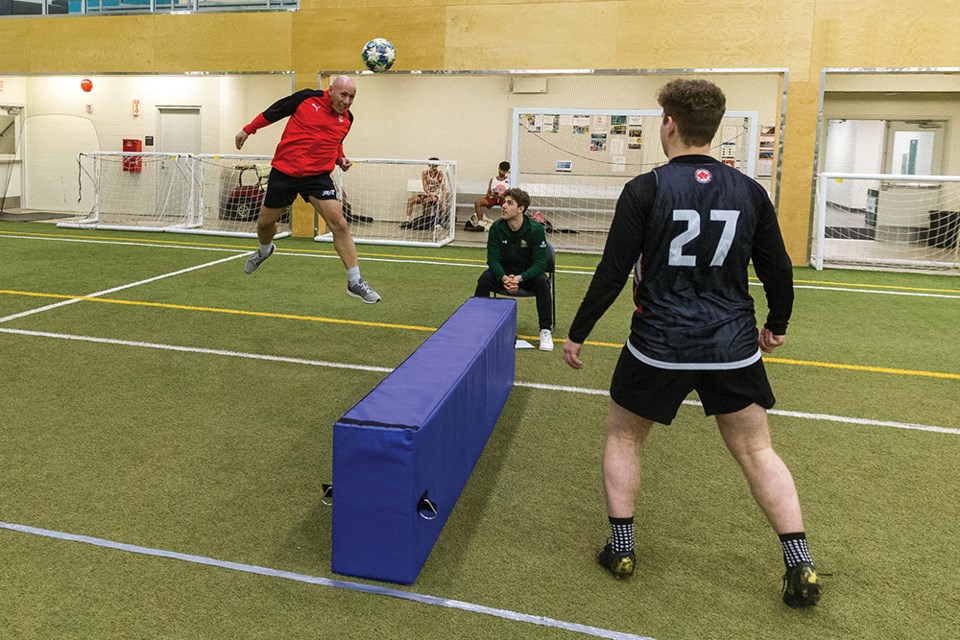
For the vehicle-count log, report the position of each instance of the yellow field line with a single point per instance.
(813, 363)
(856, 367)
(237, 312)
(386, 325)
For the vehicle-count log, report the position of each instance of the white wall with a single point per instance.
(853, 146)
(63, 120)
(467, 117)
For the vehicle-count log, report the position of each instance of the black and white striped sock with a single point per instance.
(794, 549)
(621, 534)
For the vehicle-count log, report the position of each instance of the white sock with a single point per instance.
(265, 249)
(353, 275)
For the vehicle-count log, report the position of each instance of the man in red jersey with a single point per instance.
(310, 148)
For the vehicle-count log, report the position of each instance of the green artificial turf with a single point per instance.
(223, 457)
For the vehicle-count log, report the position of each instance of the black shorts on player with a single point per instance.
(656, 394)
(282, 189)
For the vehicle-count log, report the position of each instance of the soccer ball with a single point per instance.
(378, 55)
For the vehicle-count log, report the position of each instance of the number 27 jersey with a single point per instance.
(689, 229)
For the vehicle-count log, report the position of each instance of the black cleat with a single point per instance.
(621, 565)
(801, 586)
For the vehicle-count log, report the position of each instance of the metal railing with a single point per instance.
(114, 7)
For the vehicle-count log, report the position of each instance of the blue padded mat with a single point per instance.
(418, 434)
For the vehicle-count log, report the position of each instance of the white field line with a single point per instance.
(912, 294)
(327, 582)
(115, 289)
(519, 383)
(570, 271)
(777, 412)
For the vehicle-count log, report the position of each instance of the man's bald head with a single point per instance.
(342, 92)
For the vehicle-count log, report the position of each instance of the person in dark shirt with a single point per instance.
(310, 148)
(517, 256)
(688, 230)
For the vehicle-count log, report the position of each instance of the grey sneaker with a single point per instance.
(363, 291)
(255, 260)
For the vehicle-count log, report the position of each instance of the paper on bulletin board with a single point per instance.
(764, 167)
(598, 142)
(532, 122)
(634, 120)
(729, 133)
(598, 124)
(619, 164)
(566, 120)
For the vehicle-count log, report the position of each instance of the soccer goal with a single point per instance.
(887, 221)
(574, 163)
(385, 202)
(179, 193)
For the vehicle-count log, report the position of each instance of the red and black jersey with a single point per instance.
(313, 138)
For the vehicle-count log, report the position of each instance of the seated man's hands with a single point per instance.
(511, 283)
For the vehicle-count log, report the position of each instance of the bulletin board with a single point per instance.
(583, 142)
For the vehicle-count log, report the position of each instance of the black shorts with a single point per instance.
(656, 394)
(282, 189)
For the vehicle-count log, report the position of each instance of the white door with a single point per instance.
(178, 133)
(912, 148)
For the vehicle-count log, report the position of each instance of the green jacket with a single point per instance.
(523, 251)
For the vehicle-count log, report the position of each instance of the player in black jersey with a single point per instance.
(689, 229)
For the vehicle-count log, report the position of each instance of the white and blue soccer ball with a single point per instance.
(378, 55)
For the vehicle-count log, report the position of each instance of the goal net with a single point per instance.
(397, 201)
(181, 193)
(575, 163)
(887, 221)
(230, 191)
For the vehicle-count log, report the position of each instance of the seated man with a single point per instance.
(432, 199)
(497, 186)
(517, 257)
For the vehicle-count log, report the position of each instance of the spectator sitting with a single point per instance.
(517, 256)
(497, 186)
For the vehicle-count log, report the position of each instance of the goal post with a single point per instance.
(385, 203)
(886, 221)
(176, 193)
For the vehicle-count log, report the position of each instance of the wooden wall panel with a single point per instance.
(325, 40)
(895, 33)
(574, 35)
(146, 44)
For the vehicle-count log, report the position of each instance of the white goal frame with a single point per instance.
(817, 254)
(391, 214)
(191, 220)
